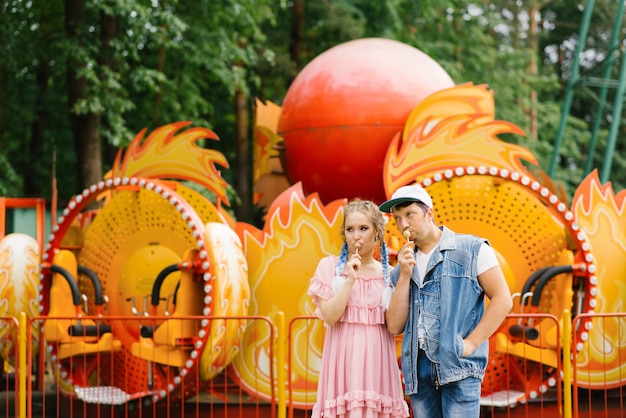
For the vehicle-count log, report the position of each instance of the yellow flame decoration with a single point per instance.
(449, 128)
(282, 258)
(163, 154)
(601, 216)
(265, 142)
(265, 137)
(267, 114)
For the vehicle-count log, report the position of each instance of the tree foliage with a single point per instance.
(78, 74)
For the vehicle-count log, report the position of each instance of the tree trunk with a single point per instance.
(31, 170)
(1, 108)
(85, 127)
(533, 45)
(109, 32)
(243, 158)
(160, 67)
(297, 28)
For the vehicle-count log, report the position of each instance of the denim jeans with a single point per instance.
(457, 399)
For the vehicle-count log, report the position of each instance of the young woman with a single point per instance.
(359, 375)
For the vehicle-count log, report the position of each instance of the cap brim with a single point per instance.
(388, 205)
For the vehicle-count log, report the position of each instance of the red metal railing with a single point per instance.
(599, 366)
(596, 374)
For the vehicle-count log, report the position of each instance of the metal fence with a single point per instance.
(82, 369)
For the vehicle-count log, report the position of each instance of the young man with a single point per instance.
(440, 282)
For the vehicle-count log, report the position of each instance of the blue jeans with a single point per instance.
(457, 399)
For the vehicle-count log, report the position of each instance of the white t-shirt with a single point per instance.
(486, 260)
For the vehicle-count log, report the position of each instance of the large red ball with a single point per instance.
(344, 108)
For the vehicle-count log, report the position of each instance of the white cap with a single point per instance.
(413, 193)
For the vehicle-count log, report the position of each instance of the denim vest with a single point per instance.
(451, 303)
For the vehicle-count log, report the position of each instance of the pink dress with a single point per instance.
(359, 375)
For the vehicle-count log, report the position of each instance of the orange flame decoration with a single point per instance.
(265, 137)
(166, 155)
(601, 216)
(266, 154)
(19, 289)
(447, 129)
(282, 258)
(264, 149)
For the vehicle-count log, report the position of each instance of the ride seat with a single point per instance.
(65, 314)
(172, 340)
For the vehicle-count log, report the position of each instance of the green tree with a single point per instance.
(84, 77)
(78, 78)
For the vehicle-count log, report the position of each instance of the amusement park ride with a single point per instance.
(161, 252)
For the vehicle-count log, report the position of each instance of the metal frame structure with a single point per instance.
(604, 82)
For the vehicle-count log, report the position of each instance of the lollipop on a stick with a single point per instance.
(356, 248)
(406, 234)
